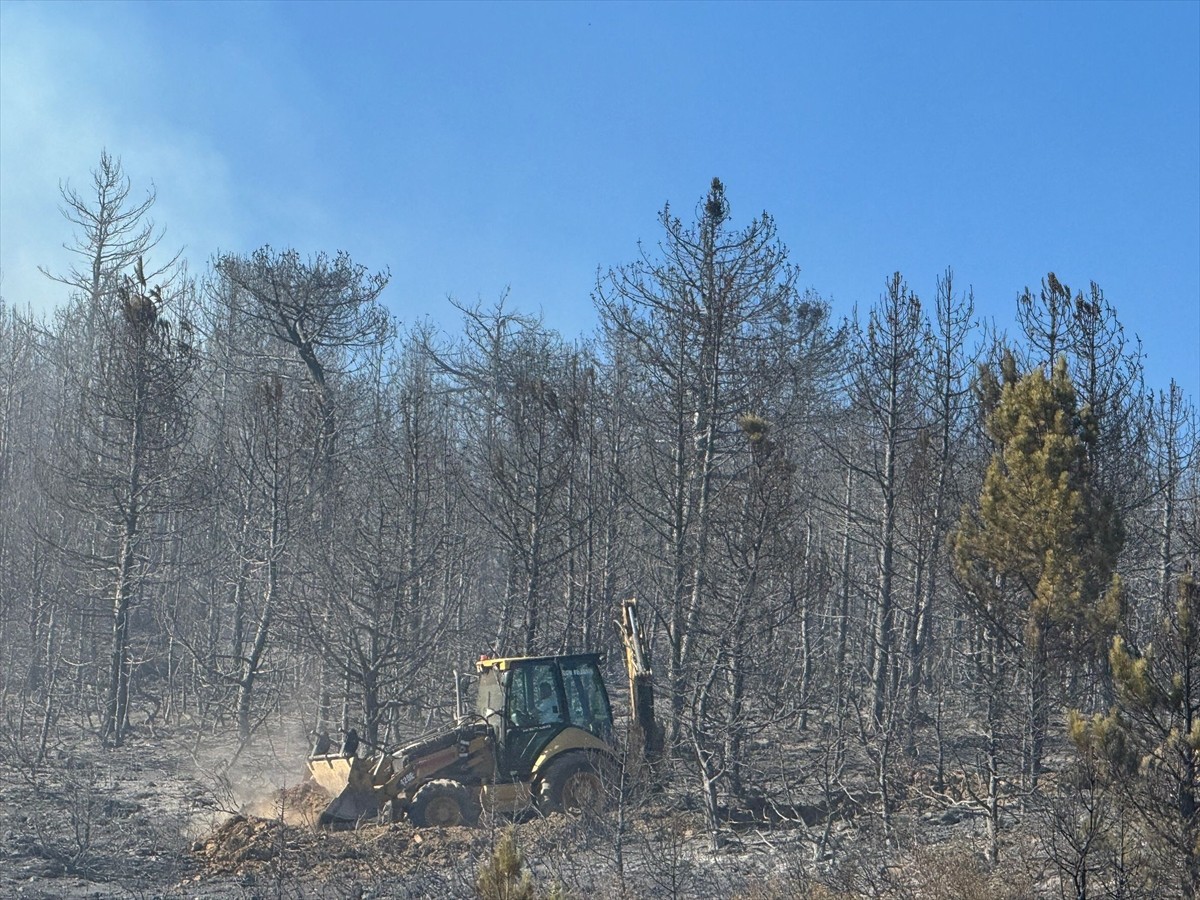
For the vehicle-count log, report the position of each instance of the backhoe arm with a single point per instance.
(641, 682)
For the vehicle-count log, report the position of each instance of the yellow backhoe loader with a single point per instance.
(540, 734)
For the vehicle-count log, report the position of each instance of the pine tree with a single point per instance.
(504, 876)
(1040, 550)
(1151, 738)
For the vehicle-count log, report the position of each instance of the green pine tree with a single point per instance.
(1037, 555)
(504, 876)
(1150, 739)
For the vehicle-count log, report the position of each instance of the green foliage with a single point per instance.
(1131, 674)
(1041, 547)
(1147, 745)
(503, 876)
(1102, 742)
(1160, 684)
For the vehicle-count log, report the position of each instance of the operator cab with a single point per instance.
(528, 701)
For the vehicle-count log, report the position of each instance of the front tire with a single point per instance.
(443, 804)
(573, 784)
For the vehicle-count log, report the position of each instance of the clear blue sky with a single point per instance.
(470, 148)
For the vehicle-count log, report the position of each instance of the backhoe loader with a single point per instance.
(539, 735)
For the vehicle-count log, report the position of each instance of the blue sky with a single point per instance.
(473, 148)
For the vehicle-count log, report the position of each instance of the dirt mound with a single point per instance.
(301, 804)
(253, 844)
(305, 794)
(401, 848)
(240, 840)
(437, 846)
(304, 803)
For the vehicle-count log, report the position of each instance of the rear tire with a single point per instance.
(443, 804)
(574, 784)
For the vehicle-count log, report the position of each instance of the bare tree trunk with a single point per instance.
(806, 646)
(1038, 713)
(48, 709)
(117, 698)
(884, 625)
(677, 628)
(843, 618)
(252, 663)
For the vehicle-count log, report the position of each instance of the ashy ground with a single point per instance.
(191, 816)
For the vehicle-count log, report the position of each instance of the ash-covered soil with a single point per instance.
(172, 815)
(90, 821)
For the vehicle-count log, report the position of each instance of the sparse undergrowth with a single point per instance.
(155, 819)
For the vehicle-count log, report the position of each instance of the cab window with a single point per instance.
(490, 701)
(587, 702)
(533, 696)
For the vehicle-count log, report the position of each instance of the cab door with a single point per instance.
(534, 714)
(587, 700)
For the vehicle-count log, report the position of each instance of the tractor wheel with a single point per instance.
(442, 804)
(574, 784)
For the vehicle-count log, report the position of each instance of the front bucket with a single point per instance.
(351, 782)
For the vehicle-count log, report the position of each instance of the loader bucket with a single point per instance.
(353, 783)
